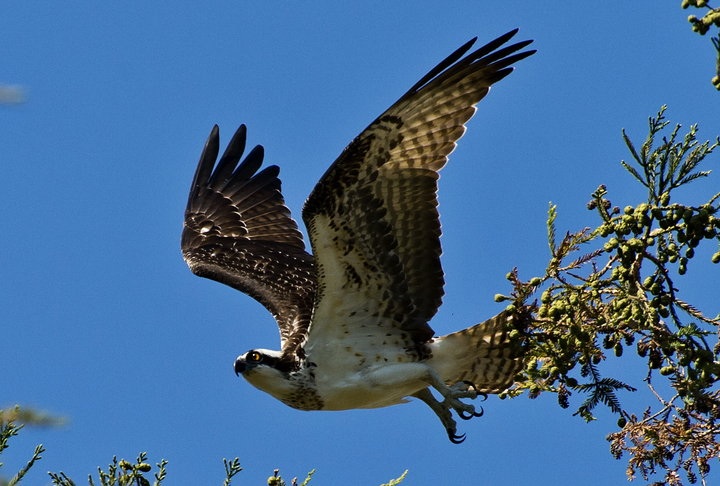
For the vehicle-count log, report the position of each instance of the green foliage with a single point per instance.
(11, 421)
(620, 293)
(8, 430)
(119, 473)
(231, 469)
(702, 25)
(396, 481)
(277, 480)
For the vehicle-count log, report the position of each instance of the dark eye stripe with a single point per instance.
(258, 357)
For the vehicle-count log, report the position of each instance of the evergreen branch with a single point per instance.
(231, 469)
(396, 481)
(633, 152)
(63, 480)
(634, 172)
(622, 293)
(697, 314)
(39, 449)
(552, 215)
(308, 478)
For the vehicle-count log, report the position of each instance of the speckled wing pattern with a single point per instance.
(373, 219)
(238, 231)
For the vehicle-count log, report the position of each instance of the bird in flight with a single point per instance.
(353, 314)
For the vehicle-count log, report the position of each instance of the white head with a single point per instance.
(265, 369)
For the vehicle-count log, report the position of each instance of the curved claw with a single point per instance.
(468, 415)
(465, 415)
(456, 439)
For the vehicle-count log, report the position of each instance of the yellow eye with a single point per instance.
(254, 356)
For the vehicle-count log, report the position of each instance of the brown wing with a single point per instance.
(373, 219)
(238, 231)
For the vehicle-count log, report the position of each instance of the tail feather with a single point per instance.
(484, 354)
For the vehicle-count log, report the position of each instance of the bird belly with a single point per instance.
(372, 387)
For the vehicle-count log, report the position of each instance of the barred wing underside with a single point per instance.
(372, 218)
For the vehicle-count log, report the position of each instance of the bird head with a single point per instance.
(266, 370)
(256, 360)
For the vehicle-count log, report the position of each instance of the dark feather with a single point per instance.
(238, 231)
(372, 218)
(379, 199)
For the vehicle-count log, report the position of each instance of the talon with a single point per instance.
(465, 415)
(456, 439)
(468, 415)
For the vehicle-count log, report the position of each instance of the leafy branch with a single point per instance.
(231, 469)
(702, 25)
(119, 472)
(8, 430)
(614, 287)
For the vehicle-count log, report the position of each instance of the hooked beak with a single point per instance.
(239, 366)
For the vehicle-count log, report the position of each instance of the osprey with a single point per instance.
(353, 315)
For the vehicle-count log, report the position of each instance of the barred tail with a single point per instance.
(484, 354)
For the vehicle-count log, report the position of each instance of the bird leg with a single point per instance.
(452, 396)
(464, 389)
(443, 413)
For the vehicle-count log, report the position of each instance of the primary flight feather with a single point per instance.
(354, 315)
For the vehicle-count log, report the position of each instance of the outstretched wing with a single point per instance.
(373, 219)
(238, 231)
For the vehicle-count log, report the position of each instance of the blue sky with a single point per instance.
(104, 324)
